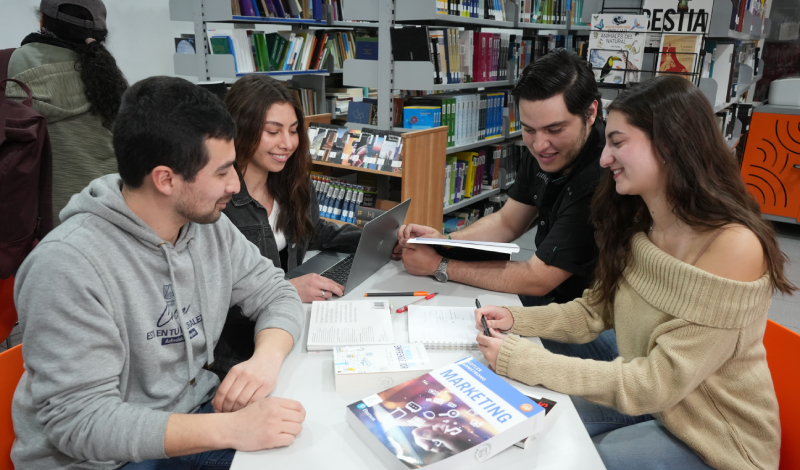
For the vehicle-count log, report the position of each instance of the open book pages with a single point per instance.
(349, 323)
(442, 327)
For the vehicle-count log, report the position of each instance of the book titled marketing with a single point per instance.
(453, 417)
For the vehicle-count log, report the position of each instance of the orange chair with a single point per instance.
(8, 314)
(11, 368)
(782, 346)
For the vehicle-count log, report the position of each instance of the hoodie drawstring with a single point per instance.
(186, 339)
(198, 274)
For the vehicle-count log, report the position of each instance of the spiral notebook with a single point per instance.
(442, 327)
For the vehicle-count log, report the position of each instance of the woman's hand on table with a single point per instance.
(313, 287)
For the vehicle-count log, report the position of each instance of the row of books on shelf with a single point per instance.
(466, 56)
(555, 12)
(756, 9)
(282, 9)
(307, 97)
(457, 56)
(723, 61)
(468, 174)
(343, 201)
(259, 51)
(463, 218)
(470, 117)
(726, 120)
(481, 9)
(369, 148)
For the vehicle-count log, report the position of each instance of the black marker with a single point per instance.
(483, 321)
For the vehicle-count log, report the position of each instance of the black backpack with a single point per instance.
(26, 168)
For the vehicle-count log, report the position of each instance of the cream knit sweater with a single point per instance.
(691, 354)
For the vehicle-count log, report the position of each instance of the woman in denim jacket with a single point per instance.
(276, 208)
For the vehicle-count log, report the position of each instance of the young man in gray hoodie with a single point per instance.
(122, 304)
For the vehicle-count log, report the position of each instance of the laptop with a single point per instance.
(374, 250)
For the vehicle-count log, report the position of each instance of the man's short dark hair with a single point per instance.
(166, 121)
(559, 72)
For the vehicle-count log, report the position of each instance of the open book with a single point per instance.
(469, 250)
(349, 323)
(442, 327)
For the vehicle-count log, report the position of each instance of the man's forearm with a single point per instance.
(194, 433)
(273, 342)
(514, 277)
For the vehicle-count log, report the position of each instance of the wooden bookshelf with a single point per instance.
(422, 178)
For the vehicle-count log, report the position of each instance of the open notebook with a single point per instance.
(442, 327)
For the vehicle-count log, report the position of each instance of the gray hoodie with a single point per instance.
(106, 306)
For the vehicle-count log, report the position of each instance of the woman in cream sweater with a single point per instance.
(686, 273)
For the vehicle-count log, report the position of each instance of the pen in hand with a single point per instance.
(483, 320)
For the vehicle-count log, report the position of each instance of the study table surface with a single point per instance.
(327, 442)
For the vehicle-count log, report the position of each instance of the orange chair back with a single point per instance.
(11, 367)
(783, 346)
(8, 314)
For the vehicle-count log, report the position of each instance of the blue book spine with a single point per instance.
(318, 9)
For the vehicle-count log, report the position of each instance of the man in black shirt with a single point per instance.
(559, 104)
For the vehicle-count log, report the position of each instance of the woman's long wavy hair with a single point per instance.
(248, 101)
(702, 181)
(103, 82)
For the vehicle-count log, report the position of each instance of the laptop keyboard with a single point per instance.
(340, 271)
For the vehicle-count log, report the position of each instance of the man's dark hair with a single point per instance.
(558, 72)
(166, 121)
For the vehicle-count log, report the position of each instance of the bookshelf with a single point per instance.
(422, 176)
(425, 151)
(206, 66)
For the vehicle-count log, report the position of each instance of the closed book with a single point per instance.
(474, 413)
(469, 250)
(551, 413)
(367, 48)
(359, 112)
(410, 44)
(376, 368)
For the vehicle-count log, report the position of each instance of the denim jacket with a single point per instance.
(237, 341)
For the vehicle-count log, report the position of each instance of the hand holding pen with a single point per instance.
(498, 318)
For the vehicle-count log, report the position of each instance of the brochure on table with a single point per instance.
(378, 367)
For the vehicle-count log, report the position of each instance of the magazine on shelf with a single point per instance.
(454, 417)
(616, 47)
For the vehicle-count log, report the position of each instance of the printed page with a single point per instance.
(437, 325)
(349, 323)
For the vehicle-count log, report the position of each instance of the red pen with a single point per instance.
(427, 297)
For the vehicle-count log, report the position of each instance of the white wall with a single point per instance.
(141, 35)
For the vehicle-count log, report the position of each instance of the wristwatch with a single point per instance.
(441, 271)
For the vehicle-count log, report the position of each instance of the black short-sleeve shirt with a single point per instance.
(565, 235)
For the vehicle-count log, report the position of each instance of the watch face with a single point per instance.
(440, 276)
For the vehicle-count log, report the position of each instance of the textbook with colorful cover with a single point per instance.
(454, 417)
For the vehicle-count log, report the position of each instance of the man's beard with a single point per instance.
(572, 157)
(207, 218)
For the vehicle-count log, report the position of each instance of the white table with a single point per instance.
(327, 442)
